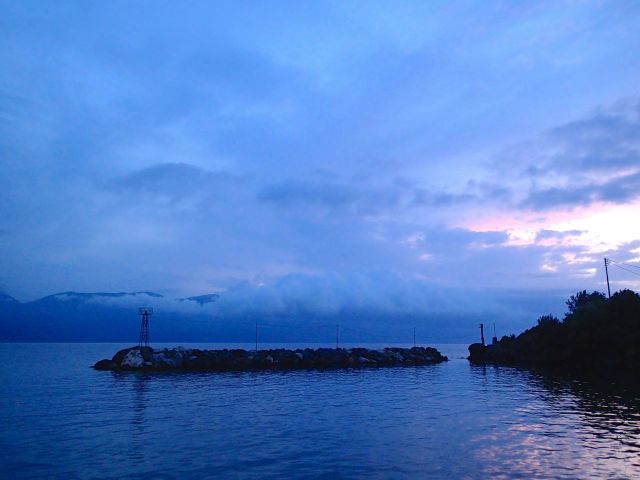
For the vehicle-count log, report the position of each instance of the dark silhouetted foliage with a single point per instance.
(583, 299)
(596, 334)
(548, 320)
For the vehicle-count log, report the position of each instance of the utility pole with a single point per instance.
(337, 336)
(482, 334)
(606, 271)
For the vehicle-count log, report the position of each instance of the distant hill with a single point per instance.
(102, 316)
(7, 299)
(202, 299)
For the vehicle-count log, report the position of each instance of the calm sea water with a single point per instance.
(61, 419)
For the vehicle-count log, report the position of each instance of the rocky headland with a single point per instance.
(598, 335)
(194, 359)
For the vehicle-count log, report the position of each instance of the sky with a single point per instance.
(319, 155)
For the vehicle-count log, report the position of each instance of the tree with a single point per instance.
(582, 299)
(548, 320)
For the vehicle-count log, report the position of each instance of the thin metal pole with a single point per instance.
(606, 271)
(482, 333)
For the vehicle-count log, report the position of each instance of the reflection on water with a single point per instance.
(561, 428)
(138, 422)
(62, 419)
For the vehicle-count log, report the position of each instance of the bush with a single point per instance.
(548, 321)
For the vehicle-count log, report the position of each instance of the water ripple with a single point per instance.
(62, 419)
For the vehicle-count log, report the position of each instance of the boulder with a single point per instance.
(104, 365)
(133, 359)
(145, 352)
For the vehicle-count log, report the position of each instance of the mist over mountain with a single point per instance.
(296, 308)
(7, 299)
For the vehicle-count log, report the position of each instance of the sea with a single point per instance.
(59, 418)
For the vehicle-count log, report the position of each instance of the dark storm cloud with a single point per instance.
(609, 140)
(429, 198)
(163, 176)
(172, 180)
(361, 197)
(292, 193)
(594, 159)
(473, 193)
(621, 190)
(442, 241)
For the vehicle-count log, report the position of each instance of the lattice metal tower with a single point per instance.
(145, 313)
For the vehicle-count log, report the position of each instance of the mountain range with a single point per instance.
(105, 316)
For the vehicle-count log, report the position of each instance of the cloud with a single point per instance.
(291, 193)
(218, 148)
(621, 190)
(375, 301)
(135, 300)
(586, 161)
(162, 177)
(373, 305)
(556, 237)
(608, 140)
(370, 197)
(174, 181)
(428, 198)
(442, 242)
(472, 192)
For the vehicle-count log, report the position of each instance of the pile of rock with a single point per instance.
(146, 358)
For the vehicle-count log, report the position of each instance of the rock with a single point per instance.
(145, 358)
(133, 359)
(477, 353)
(146, 353)
(104, 365)
(119, 356)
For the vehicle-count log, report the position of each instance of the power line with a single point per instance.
(627, 270)
(622, 263)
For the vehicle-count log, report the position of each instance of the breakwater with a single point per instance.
(194, 359)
